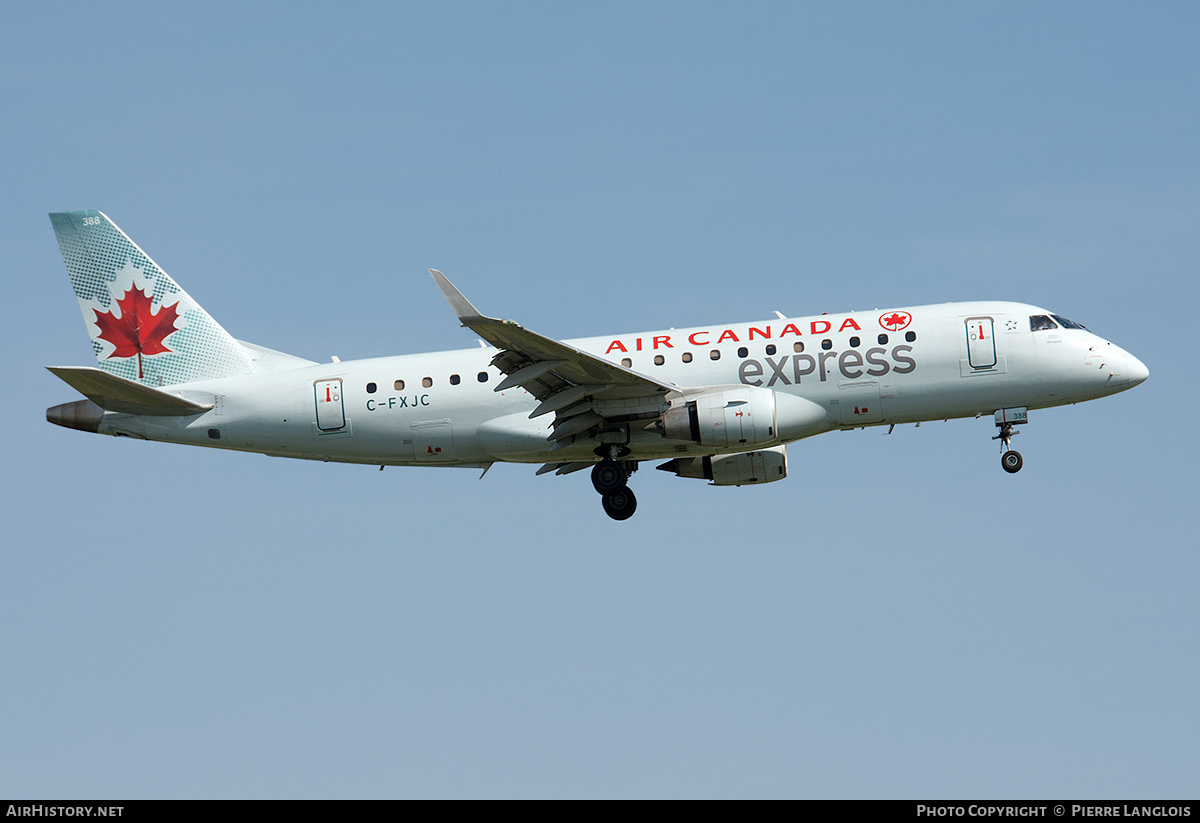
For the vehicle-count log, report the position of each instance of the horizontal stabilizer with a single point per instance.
(116, 394)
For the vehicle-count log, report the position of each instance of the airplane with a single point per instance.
(718, 402)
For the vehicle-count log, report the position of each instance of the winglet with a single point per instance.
(461, 305)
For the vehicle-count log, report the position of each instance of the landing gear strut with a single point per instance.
(609, 477)
(1010, 460)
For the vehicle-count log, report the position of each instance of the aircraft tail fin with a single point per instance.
(144, 327)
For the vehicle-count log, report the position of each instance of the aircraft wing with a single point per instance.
(585, 392)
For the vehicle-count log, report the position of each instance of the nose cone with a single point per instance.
(1135, 370)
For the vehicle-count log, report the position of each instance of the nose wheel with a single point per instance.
(609, 477)
(1011, 461)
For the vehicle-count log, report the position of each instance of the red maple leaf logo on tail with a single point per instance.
(137, 331)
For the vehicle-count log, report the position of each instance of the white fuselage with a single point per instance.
(864, 368)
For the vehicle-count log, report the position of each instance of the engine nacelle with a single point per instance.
(750, 417)
(749, 469)
(736, 417)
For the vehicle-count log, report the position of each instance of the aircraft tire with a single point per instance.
(1011, 461)
(621, 504)
(608, 477)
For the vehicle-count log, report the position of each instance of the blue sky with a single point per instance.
(898, 618)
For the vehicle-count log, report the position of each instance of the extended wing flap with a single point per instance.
(117, 394)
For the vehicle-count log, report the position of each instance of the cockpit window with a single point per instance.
(1040, 322)
(1068, 324)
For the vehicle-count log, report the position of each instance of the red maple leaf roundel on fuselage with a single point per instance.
(137, 331)
(896, 321)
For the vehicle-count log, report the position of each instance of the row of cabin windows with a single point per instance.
(826, 344)
(715, 354)
(427, 382)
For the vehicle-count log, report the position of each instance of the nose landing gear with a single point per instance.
(609, 477)
(1010, 460)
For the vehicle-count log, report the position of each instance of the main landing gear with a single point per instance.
(609, 477)
(1010, 460)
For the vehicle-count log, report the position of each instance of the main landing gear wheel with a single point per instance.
(1011, 461)
(608, 476)
(621, 504)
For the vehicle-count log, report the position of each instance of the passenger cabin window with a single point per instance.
(827, 344)
(626, 362)
(715, 354)
(659, 360)
(883, 339)
(1040, 322)
(743, 351)
(770, 348)
(1068, 324)
(427, 382)
(687, 357)
(910, 336)
(455, 380)
(797, 347)
(483, 377)
(398, 385)
(371, 388)
(854, 341)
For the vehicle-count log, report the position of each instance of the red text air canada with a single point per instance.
(704, 337)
